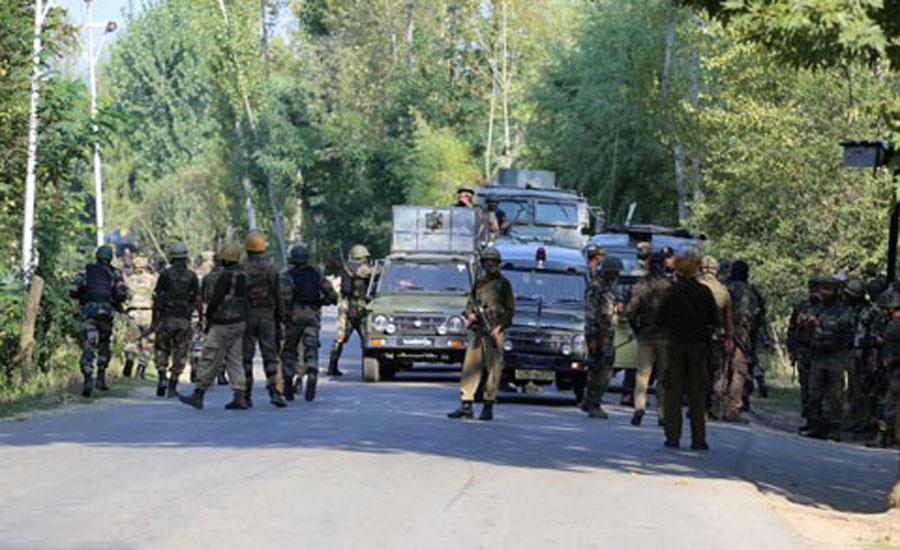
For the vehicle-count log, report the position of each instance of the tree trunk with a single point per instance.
(264, 32)
(677, 147)
(29, 320)
(489, 142)
(410, 24)
(504, 70)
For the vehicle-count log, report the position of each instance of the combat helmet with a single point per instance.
(104, 254)
(611, 264)
(178, 250)
(359, 253)
(490, 253)
(709, 266)
(255, 241)
(855, 289)
(231, 252)
(299, 255)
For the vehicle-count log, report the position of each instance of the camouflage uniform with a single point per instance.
(798, 342)
(176, 297)
(731, 383)
(351, 309)
(831, 338)
(138, 335)
(717, 357)
(263, 321)
(642, 311)
(600, 331)
(865, 318)
(889, 425)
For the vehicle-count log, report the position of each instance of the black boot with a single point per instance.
(333, 369)
(238, 403)
(487, 411)
(101, 380)
(161, 383)
(172, 390)
(88, 385)
(142, 372)
(129, 366)
(637, 418)
(289, 388)
(312, 378)
(220, 378)
(596, 411)
(248, 391)
(194, 400)
(275, 397)
(464, 411)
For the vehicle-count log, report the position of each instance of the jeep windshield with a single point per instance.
(409, 277)
(555, 213)
(551, 287)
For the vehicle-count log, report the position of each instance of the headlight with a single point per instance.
(456, 324)
(507, 345)
(380, 323)
(566, 349)
(578, 343)
(442, 330)
(391, 328)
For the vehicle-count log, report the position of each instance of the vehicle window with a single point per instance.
(516, 211)
(416, 277)
(555, 213)
(549, 286)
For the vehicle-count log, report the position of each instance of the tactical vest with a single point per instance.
(826, 336)
(175, 298)
(233, 308)
(354, 286)
(259, 285)
(306, 283)
(99, 284)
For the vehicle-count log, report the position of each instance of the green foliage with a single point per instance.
(438, 162)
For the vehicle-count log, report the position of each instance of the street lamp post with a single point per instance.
(108, 27)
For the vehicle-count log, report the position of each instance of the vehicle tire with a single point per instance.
(371, 370)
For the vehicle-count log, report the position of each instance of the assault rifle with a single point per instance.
(483, 325)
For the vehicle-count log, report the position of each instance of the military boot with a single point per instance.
(596, 411)
(275, 397)
(464, 411)
(129, 366)
(161, 383)
(312, 378)
(289, 388)
(238, 403)
(220, 378)
(194, 400)
(637, 418)
(101, 380)
(487, 411)
(248, 392)
(88, 385)
(333, 369)
(142, 372)
(172, 390)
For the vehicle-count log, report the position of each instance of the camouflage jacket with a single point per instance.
(495, 295)
(600, 308)
(892, 344)
(833, 331)
(799, 335)
(643, 307)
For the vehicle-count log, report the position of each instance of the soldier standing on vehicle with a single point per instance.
(305, 292)
(495, 221)
(355, 278)
(798, 341)
(101, 291)
(138, 334)
(176, 297)
(464, 198)
(225, 318)
(489, 313)
(642, 312)
(721, 345)
(831, 322)
(600, 328)
(745, 310)
(264, 317)
(688, 314)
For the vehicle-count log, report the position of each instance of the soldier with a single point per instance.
(207, 284)
(495, 221)
(207, 263)
(101, 291)
(176, 297)
(225, 318)
(629, 381)
(864, 316)
(140, 318)
(642, 311)
(305, 292)
(687, 313)
(798, 342)
(464, 196)
(263, 318)
(831, 322)
(721, 344)
(600, 328)
(355, 278)
(489, 313)
(889, 421)
(745, 305)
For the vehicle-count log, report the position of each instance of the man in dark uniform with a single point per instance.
(798, 342)
(101, 291)
(305, 291)
(600, 328)
(355, 278)
(489, 313)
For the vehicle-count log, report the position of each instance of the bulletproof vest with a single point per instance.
(100, 280)
(233, 308)
(354, 285)
(175, 299)
(826, 337)
(259, 284)
(306, 283)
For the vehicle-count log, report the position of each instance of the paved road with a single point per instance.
(379, 466)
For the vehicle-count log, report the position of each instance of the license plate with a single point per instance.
(535, 374)
(417, 342)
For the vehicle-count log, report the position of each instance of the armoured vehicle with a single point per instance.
(545, 344)
(419, 292)
(539, 211)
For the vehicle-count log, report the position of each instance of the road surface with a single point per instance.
(380, 466)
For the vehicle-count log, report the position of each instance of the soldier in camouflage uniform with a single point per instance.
(176, 297)
(799, 339)
(210, 268)
(492, 295)
(600, 329)
(138, 333)
(305, 291)
(101, 291)
(355, 279)
(889, 419)
(721, 345)
(745, 308)
(831, 322)
(865, 314)
(264, 317)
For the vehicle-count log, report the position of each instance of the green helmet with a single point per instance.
(299, 255)
(611, 264)
(359, 253)
(178, 250)
(490, 253)
(104, 254)
(856, 289)
(889, 299)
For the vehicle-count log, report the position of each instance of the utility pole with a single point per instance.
(108, 28)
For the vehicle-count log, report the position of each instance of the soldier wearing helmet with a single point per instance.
(101, 291)
(464, 197)
(355, 278)
(888, 418)
(175, 299)
(799, 338)
(488, 313)
(751, 328)
(305, 291)
(138, 332)
(600, 329)
(857, 404)
(721, 344)
(225, 320)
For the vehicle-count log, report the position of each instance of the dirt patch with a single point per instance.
(825, 529)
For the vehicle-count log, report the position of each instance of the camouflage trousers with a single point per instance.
(857, 400)
(96, 332)
(716, 360)
(483, 361)
(262, 331)
(303, 330)
(222, 346)
(891, 419)
(826, 389)
(138, 343)
(347, 323)
(601, 358)
(803, 359)
(173, 337)
(729, 388)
